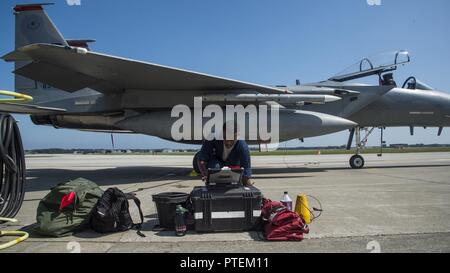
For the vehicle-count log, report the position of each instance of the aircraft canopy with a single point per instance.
(375, 65)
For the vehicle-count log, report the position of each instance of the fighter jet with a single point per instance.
(76, 88)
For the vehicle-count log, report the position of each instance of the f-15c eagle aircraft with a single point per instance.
(76, 88)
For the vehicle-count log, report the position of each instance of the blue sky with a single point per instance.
(261, 41)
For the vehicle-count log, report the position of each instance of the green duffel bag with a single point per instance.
(67, 208)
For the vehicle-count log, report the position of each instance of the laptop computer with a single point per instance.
(225, 177)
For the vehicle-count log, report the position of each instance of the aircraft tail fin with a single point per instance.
(34, 26)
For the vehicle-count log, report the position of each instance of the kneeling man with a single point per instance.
(230, 152)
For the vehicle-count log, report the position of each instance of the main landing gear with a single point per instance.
(357, 161)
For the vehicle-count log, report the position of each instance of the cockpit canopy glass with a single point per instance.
(375, 65)
(413, 83)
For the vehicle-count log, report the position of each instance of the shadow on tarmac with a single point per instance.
(44, 179)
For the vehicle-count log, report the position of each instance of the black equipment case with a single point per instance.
(218, 178)
(226, 209)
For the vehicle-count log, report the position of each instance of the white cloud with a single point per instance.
(374, 2)
(73, 2)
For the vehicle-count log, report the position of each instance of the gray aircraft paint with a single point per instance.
(101, 94)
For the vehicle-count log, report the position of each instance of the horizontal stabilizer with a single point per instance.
(108, 74)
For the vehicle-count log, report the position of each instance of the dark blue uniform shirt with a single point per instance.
(212, 151)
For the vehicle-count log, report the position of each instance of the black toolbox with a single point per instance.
(226, 209)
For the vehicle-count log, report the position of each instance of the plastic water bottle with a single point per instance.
(180, 221)
(286, 201)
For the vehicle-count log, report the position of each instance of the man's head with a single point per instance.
(230, 133)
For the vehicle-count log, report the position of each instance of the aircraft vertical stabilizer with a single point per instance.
(33, 26)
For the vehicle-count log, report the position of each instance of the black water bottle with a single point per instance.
(180, 222)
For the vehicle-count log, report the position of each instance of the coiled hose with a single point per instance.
(12, 167)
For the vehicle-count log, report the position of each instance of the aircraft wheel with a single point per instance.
(357, 162)
(194, 163)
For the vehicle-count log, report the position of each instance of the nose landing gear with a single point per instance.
(357, 161)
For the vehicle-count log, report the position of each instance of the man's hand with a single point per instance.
(247, 181)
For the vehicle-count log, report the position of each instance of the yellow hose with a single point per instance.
(22, 235)
(17, 97)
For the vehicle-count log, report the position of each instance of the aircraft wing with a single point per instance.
(17, 108)
(73, 68)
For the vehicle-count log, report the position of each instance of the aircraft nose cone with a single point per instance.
(446, 109)
(447, 101)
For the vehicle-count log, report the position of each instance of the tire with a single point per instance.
(357, 162)
(194, 163)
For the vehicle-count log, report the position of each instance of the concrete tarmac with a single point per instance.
(398, 203)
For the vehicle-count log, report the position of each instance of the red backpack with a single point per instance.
(282, 224)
